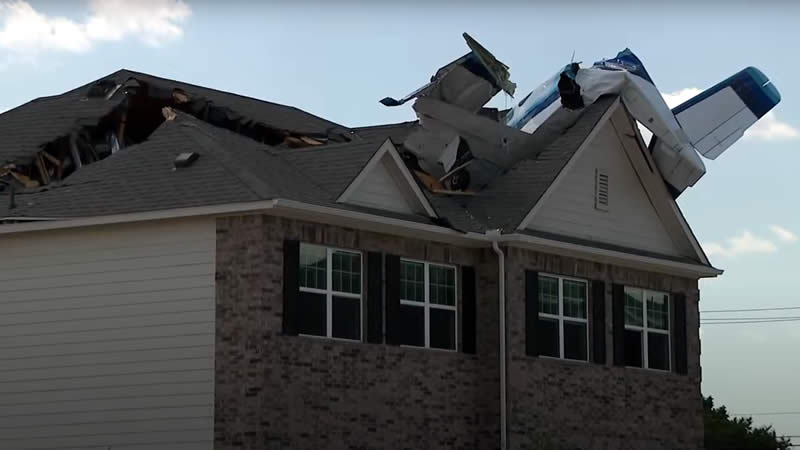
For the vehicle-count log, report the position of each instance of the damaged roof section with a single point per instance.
(47, 139)
(230, 168)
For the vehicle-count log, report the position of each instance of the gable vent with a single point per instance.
(601, 190)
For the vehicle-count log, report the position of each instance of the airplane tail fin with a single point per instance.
(717, 117)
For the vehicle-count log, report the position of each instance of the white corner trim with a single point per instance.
(572, 161)
(387, 147)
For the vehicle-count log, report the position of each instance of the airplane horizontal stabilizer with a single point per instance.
(717, 117)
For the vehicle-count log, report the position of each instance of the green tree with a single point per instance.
(737, 433)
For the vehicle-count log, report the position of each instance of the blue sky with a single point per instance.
(337, 62)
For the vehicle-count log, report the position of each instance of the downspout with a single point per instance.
(501, 293)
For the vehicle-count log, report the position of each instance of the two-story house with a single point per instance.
(183, 268)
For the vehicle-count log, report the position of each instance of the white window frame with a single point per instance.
(330, 293)
(644, 329)
(427, 305)
(560, 317)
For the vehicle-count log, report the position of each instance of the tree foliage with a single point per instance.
(728, 433)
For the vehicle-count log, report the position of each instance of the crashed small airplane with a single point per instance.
(466, 145)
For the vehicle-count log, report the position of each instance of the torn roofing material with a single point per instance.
(27, 128)
(122, 108)
(140, 178)
(273, 114)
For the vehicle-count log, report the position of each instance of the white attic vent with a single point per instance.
(601, 190)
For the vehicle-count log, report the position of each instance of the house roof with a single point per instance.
(235, 168)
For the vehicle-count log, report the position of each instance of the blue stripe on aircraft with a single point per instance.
(535, 109)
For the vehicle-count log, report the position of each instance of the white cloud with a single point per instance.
(24, 30)
(771, 129)
(674, 99)
(783, 234)
(744, 243)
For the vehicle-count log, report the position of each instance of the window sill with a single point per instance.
(331, 339)
(648, 370)
(563, 360)
(429, 349)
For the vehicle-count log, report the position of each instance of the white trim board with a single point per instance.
(405, 184)
(376, 223)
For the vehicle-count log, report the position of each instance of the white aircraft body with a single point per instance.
(467, 145)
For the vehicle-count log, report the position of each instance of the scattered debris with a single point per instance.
(168, 113)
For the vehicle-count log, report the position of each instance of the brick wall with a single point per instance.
(557, 404)
(275, 391)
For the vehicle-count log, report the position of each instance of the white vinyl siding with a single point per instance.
(628, 220)
(384, 189)
(107, 337)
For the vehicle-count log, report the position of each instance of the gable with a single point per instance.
(385, 184)
(601, 198)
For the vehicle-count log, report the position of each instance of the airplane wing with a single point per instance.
(717, 117)
(468, 82)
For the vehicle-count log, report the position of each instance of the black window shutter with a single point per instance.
(679, 333)
(618, 320)
(531, 311)
(291, 286)
(374, 297)
(393, 317)
(599, 322)
(468, 314)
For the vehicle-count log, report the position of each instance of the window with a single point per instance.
(428, 304)
(561, 329)
(647, 340)
(330, 292)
